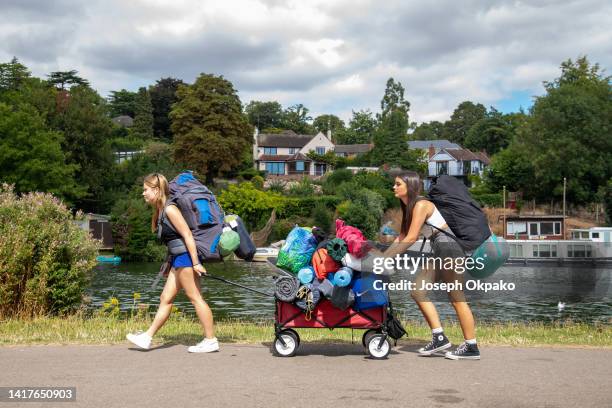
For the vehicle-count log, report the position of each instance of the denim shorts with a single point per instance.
(182, 261)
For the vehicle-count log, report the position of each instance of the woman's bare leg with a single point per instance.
(166, 298)
(189, 280)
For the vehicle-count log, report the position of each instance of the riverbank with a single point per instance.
(105, 330)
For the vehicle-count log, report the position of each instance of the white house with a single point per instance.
(284, 154)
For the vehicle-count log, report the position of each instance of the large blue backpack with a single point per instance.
(202, 213)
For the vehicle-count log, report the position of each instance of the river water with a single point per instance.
(585, 291)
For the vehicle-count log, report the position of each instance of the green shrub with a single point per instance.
(277, 186)
(302, 189)
(322, 216)
(489, 200)
(334, 179)
(45, 257)
(258, 182)
(360, 217)
(250, 204)
(131, 221)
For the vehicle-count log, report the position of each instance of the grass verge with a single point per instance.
(187, 330)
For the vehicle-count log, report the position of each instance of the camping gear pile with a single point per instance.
(324, 268)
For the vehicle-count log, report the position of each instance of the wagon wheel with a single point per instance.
(366, 334)
(291, 342)
(376, 349)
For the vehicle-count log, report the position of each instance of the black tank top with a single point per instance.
(168, 233)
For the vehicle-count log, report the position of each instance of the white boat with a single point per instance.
(262, 254)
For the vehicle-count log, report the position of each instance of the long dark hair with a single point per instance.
(414, 187)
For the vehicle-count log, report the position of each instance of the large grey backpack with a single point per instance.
(202, 213)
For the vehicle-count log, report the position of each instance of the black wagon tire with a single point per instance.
(365, 338)
(291, 339)
(373, 348)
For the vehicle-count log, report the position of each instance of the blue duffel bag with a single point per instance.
(366, 296)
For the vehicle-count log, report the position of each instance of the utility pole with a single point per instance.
(564, 188)
(504, 214)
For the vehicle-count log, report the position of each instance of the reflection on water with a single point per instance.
(586, 292)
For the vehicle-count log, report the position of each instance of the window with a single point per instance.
(320, 150)
(441, 168)
(579, 251)
(275, 168)
(584, 234)
(293, 150)
(299, 166)
(546, 228)
(517, 227)
(544, 251)
(595, 235)
(533, 228)
(516, 250)
(270, 150)
(557, 228)
(466, 167)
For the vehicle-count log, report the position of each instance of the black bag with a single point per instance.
(395, 330)
(462, 214)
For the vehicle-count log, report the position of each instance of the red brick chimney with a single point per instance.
(432, 150)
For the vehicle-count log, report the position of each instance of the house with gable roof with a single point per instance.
(284, 154)
(447, 158)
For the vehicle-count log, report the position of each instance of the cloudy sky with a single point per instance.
(331, 56)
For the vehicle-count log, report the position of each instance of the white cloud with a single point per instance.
(334, 57)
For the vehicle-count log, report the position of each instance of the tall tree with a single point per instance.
(66, 79)
(390, 145)
(143, 119)
(211, 133)
(122, 102)
(570, 132)
(12, 75)
(491, 134)
(31, 157)
(296, 118)
(323, 123)
(360, 130)
(463, 118)
(87, 131)
(264, 115)
(163, 95)
(433, 130)
(393, 100)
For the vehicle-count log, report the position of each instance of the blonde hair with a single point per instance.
(158, 181)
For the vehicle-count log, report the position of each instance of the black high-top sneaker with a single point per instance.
(438, 343)
(465, 351)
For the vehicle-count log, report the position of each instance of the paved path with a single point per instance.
(319, 376)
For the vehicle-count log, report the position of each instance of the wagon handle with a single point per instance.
(237, 284)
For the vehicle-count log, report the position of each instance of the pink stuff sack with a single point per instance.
(355, 240)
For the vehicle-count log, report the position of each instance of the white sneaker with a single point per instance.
(142, 340)
(205, 346)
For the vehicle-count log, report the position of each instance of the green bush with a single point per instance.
(322, 216)
(334, 179)
(250, 204)
(301, 189)
(45, 257)
(360, 217)
(277, 186)
(131, 221)
(258, 182)
(489, 200)
(302, 206)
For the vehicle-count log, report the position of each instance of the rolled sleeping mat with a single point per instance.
(306, 275)
(337, 248)
(343, 277)
(246, 249)
(308, 297)
(286, 288)
(326, 288)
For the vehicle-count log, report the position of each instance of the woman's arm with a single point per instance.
(179, 224)
(419, 214)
